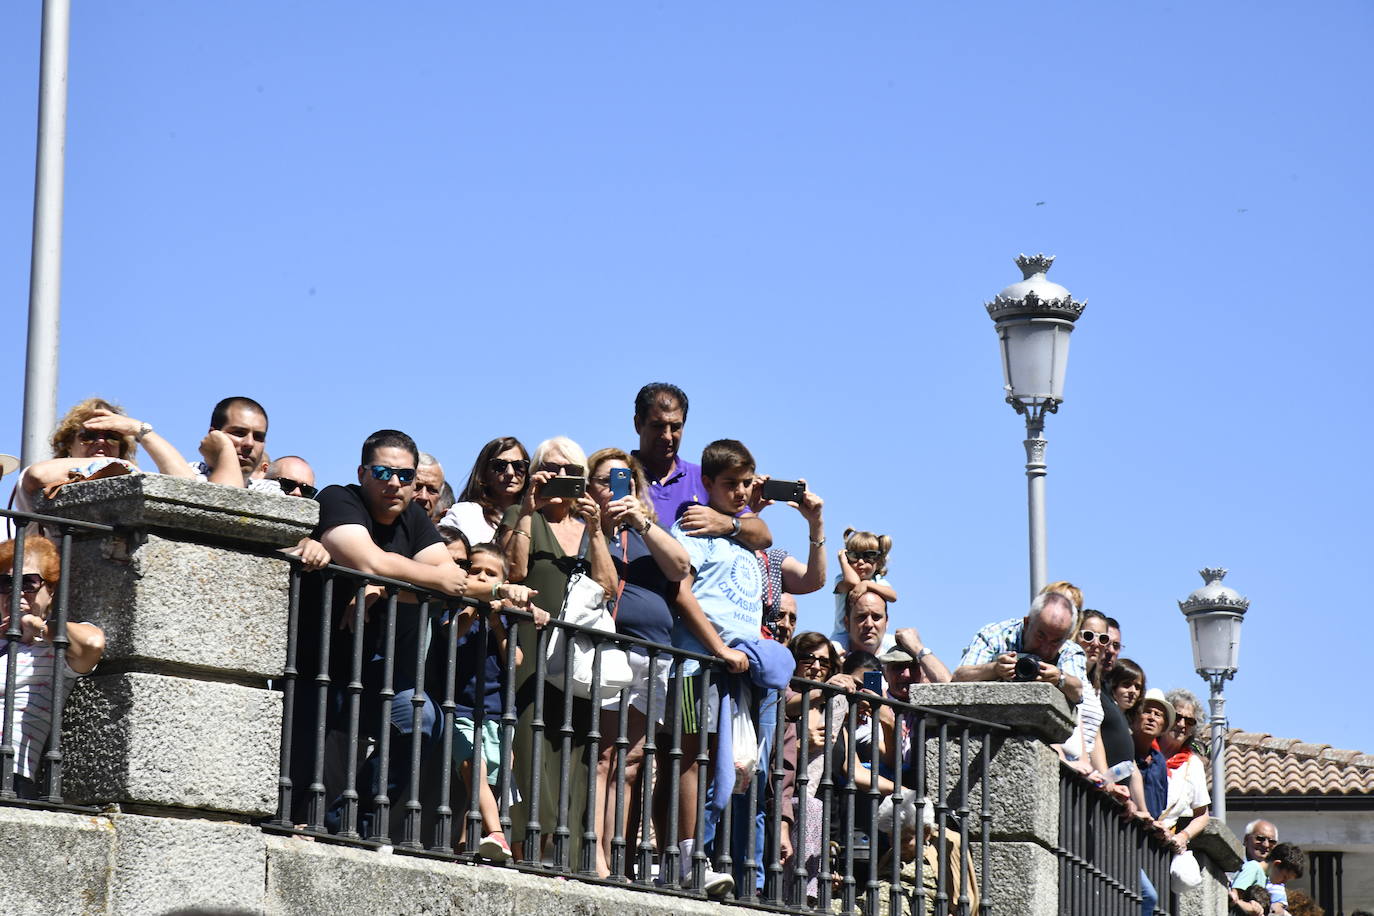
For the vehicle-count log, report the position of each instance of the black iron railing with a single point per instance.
(24, 704)
(1105, 857)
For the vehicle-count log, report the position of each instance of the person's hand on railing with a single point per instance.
(736, 662)
(312, 553)
(844, 682)
(784, 843)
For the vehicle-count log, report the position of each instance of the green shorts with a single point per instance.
(491, 744)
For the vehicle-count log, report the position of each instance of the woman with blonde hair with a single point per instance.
(546, 538)
(95, 433)
(863, 568)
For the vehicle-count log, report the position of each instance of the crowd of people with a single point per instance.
(681, 556)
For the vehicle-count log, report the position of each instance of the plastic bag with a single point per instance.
(746, 747)
(1184, 872)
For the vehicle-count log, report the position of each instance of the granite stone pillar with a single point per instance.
(192, 597)
(1023, 785)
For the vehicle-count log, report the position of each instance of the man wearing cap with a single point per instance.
(910, 662)
(1154, 718)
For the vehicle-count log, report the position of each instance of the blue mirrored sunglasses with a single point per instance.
(383, 473)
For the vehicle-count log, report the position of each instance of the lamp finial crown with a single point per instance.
(1213, 574)
(1034, 264)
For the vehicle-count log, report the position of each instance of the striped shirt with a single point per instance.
(32, 700)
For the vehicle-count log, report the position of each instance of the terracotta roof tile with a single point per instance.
(1260, 764)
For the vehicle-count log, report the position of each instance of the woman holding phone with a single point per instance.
(553, 530)
(649, 563)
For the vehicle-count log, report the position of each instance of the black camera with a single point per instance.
(1027, 667)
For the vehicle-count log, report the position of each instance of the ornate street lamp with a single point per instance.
(1214, 613)
(1034, 320)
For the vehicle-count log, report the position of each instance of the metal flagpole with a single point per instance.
(45, 270)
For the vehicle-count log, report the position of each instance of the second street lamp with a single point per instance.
(1034, 320)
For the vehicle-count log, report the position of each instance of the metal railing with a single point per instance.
(1103, 855)
(342, 748)
(23, 702)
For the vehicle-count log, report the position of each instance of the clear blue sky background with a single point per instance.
(467, 220)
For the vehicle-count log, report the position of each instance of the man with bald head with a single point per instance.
(294, 475)
(1045, 633)
(1260, 838)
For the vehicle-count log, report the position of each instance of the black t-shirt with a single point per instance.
(643, 610)
(1115, 733)
(409, 535)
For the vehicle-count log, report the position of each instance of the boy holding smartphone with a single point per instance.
(719, 602)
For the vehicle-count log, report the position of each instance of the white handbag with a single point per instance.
(585, 604)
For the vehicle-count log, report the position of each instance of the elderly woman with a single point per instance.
(92, 434)
(496, 482)
(1185, 813)
(546, 538)
(33, 654)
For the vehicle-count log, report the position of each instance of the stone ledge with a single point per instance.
(1039, 710)
(54, 862)
(175, 503)
(1218, 843)
(305, 879)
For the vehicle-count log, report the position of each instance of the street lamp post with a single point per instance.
(1214, 613)
(1034, 320)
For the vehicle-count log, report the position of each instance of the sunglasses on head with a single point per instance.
(29, 583)
(288, 486)
(499, 465)
(869, 555)
(572, 470)
(98, 435)
(383, 473)
(1090, 636)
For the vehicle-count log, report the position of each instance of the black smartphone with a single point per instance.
(784, 491)
(873, 680)
(563, 487)
(620, 483)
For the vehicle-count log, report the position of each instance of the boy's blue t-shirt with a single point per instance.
(728, 586)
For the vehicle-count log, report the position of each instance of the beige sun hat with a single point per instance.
(8, 464)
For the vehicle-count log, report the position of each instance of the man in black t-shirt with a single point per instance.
(374, 527)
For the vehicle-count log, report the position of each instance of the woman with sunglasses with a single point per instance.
(1189, 800)
(95, 433)
(33, 654)
(545, 539)
(817, 660)
(497, 481)
(1082, 750)
(863, 566)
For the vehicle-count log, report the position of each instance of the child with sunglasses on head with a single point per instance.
(863, 566)
(480, 663)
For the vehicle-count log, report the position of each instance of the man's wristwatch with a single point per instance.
(143, 430)
(734, 531)
(923, 653)
(1061, 678)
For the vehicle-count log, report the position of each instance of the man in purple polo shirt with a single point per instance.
(675, 485)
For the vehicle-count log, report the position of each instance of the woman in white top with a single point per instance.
(497, 481)
(33, 655)
(1082, 750)
(1189, 796)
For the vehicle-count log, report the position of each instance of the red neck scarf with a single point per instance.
(1180, 758)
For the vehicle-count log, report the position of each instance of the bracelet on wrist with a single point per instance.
(820, 543)
(525, 533)
(644, 531)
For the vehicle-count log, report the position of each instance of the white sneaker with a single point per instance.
(714, 884)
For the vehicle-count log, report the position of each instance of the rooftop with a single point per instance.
(1262, 765)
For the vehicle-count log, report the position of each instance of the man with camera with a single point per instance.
(1017, 649)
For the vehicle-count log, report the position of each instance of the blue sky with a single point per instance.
(472, 220)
